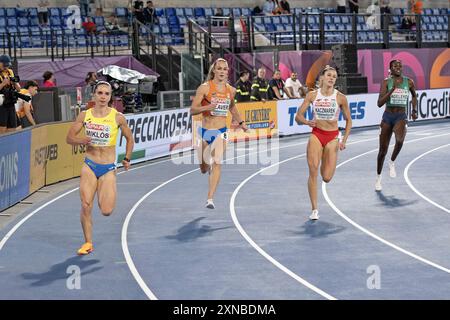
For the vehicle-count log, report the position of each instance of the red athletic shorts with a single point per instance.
(325, 136)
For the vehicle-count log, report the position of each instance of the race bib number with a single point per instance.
(222, 106)
(99, 133)
(399, 96)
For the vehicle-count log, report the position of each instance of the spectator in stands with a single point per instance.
(8, 118)
(24, 109)
(43, 12)
(220, 18)
(354, 6)
(84, 7)
(149, 13)
(89, 26)
(294, 86)
(49, 79)
(277, 88)
(243, 87)
(417, 7)
(112, 25)
(91, 81)
(98, 8)
(260, 87)
(138, 10)
(385, 9)
(269, 7)
(257, 11)
(285, 7)
(341, 5)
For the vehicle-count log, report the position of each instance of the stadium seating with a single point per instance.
(172, 23)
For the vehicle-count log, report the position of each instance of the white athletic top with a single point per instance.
(326, 107)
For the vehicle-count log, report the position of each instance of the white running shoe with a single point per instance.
(392, 172)
(314, 215)
(378, 183)
(210, 204)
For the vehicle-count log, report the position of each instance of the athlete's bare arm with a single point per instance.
(197, 107)
(342, 100)
(75, 130)
(235, 112)
(126, 132)
(384, 95)
(300, 116)
(412, 89)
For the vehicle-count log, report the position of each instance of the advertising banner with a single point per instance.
(157, 134)
(14, 168)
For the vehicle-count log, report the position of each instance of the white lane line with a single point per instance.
(405, 174)
(258, 248)
(124, 237)
(371, 234)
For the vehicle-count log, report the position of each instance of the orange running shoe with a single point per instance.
(85, 249)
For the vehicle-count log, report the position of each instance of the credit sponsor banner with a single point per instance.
(431, 104)
(14, 168)
(157, 134)
(62, 161)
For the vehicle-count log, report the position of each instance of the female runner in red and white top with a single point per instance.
(325, 140)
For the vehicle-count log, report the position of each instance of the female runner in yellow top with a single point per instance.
(98, 174)
(214, 99)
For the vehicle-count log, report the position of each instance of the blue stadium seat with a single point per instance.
(436, 11)
(55, 21)
(34, 22)
(35, 31)
(159, 12)
(444, 11)
(440, 19)
(246, 12)
(345, 19)
(276, 20)
(11, 12)
(165, 29)
(32, 12)
(199, 12)
(289, 28)
(54, 12)
(170, 12)
(398, 11)
(427, 11)
(269, 27)
(433, 19)
(279, 28)
(360, 19)
(258, 20)
(2, 23)
(285, 20)
(162, 20)
(37, 41)
(173, 21)
(99, 20)
(182, 21)
(201, 21)
(327, 19)
(189, 12)
(2, 12)
(23, 22)
(179, 11)
(21, 12)
(157, 29)
(236, 12)
(348, 27)
(12, 22)
(226, 12)
(209, 12)
(121, 12)
(336, 19)
(12, 29)
(81, 41)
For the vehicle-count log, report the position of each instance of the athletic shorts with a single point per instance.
(391, 118)
(99, 169)
(209, 135)
(325, 136)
